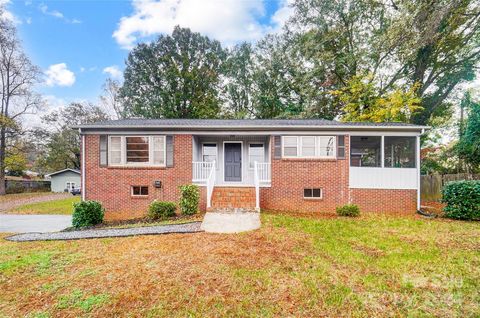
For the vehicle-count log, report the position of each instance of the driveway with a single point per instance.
(16, 223)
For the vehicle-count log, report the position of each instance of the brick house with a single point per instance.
(295, 165)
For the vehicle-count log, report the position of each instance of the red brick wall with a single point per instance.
(385, 200)
(111, 186)
(291, 176)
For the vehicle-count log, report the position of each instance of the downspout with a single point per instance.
(83, 164)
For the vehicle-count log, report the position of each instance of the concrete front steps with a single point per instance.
(232, 198)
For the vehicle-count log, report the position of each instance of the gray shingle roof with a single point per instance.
(239, 123)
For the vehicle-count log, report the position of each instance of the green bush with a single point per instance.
(159, 210)
(348, 210)
(462, 199)
(87, 213)
(189, 199)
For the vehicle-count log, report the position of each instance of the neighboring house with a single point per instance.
(296, 165)
(64, 180)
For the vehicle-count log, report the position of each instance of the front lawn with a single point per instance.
(61, 206)
(22, 196)
(292, 266)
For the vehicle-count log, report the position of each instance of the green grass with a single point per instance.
(371, 266)
(62, 206)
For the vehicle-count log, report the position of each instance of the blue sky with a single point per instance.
(78, 44)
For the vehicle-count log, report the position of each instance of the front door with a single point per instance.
(233, 162)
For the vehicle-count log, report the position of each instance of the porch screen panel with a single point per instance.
(365, 151)
(137, 149)
(400, 152)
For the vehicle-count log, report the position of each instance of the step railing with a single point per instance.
(264, 172)
(201, 170)
(210, 184)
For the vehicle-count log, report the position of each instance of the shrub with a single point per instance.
(189, 199)
(462, 199)
(159, 210)
(87, 213)
(348, 210)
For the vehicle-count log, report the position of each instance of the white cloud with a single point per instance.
(229, 21)
(8, 15)
(57, 14)
(113, 71)
(281, 16)
(59, 75)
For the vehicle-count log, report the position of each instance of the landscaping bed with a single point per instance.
(140, 222)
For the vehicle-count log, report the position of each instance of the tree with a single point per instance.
(432, 45)
(111, 100)
(176, 76)
(468, 147)
(361, 101)
(17, 77)
(61, 147)
(238, 89)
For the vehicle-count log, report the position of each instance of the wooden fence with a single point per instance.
(431, 185)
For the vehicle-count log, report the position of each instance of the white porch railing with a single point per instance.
(261, 173)
(202, 170)
(263, 169)
(210, 184)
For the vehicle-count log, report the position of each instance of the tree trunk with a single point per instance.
(2, 161)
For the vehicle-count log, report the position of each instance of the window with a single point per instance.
(209, 153)
(115, 150)
(290, 146)
(70, 186)
(326, 146)
(137, 150)
(139, 191)
(158, 150)
(400, 152)
(256, 153)
(365, 151)
(312, 193)
(309, 146)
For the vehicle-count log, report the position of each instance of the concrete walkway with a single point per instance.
(22, 223)
(230, 222)
(192, 227)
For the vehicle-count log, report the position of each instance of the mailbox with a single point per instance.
(157, 184)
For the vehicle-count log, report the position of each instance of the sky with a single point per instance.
(78, 44)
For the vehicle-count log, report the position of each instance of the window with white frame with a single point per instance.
(137, 150)
(209, 152)
(256, 152)
(309, 146)
(115, 149)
